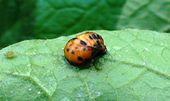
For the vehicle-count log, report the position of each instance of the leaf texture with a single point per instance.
(135, 68)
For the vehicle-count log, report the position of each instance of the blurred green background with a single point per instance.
(30, 19)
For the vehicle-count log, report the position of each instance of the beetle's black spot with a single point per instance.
(80, 58)
(67, 49)
(98, 36)
(90, 37)
(98, 42)
(94, 36)
(83, 43)
(72, 52)
(84, 49)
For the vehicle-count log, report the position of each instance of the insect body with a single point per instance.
(80, 50)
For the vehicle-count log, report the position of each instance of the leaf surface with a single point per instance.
(135, 68)
(146, 14)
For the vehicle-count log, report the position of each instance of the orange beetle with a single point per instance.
(80, 50)
(94, 40)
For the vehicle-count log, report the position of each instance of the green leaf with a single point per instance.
(146, 14)
(15, 19)
(135, 68)
(20, 20)
(68, 17)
